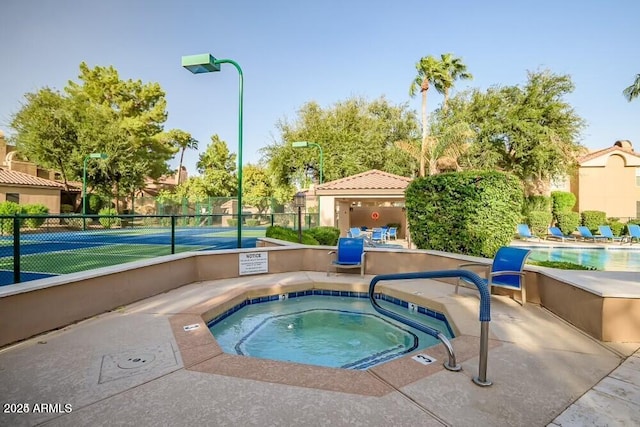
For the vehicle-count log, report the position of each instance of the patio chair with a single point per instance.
(506, 271)
(525, 233)
(354, 232)
(585, 234)
(606, 232)
(349, 254)
(377, 235)
(633, 231)
(556, 233)
(393, 233)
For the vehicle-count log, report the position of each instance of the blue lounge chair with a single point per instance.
(393, 233)
(585, 233)
(525, 233)
(349, 254)
(377, 235)
(556, 233)
(634, 232)
(606, 232)
(354, 232)
(506, 271)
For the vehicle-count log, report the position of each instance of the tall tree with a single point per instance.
(356, 135)
(46, 133)
(257, 187)
(633, 91)
(218, 169)
(528, 130)
(455, 69)
(430, 71)
(100, 113)
(183, 141)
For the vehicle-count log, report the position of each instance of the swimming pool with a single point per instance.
(324, 330)
(607, 259)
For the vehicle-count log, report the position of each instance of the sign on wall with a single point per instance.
(253, 263)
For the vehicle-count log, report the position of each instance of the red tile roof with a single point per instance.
(370, 180)
(18, 178)
(604, 151)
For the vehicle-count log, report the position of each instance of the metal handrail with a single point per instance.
(485, 315)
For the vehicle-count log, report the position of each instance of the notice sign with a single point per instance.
(254, 263)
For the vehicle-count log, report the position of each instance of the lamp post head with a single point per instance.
(300, 144)
(202, 63)
(98, 156)
(300, 200)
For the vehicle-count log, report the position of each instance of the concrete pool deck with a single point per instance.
(543, 370)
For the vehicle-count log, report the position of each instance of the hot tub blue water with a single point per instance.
(338, 332)
(609, 259)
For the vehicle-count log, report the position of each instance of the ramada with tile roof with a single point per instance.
(351, 201)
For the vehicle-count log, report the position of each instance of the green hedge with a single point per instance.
(568, 222)
(617, 227)
(562, 201)
(327, 236)
(535, 204)
(289, 235)
(108, 222)
(473, 213)
(36, 209)
(539, 222)
(592, 219)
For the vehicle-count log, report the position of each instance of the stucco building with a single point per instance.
(609, 180)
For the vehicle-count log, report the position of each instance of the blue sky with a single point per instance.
(292, 52)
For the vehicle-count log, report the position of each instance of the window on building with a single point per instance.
(638, 177)
(637, 209)
(13, 197)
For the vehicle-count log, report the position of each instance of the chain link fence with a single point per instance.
(39, 246)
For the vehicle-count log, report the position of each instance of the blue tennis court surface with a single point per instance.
(49, 254)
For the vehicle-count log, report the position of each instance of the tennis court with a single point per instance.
(51, 254)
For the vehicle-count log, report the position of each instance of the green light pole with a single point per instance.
(84, 183)
(206, 63)
(306, 144)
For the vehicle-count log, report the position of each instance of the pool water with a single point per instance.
(602, 259)
(337, 332)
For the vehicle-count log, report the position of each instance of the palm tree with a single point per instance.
(181, 140)
(430, 71)
(455, 70)
(633, 91)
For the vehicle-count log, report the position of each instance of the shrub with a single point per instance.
(539, 222)
(568, 221)
(10, 209)
(95, 203)
(327, 236)
(75, 223)
(562, 201)
(232, 222)
(471, 213)
(253, 222)
(36, 209)
(109, 221)
(289, 235)
(536, 204)
(592, 219)
(66, 209)
(616, 226)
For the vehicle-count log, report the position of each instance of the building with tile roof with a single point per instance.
(608, 180)
(369, 199)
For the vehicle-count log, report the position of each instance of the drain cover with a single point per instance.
(136, 362)
(150, 361)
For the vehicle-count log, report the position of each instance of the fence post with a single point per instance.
(16, 249)
(173, 234)
(272, 215)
